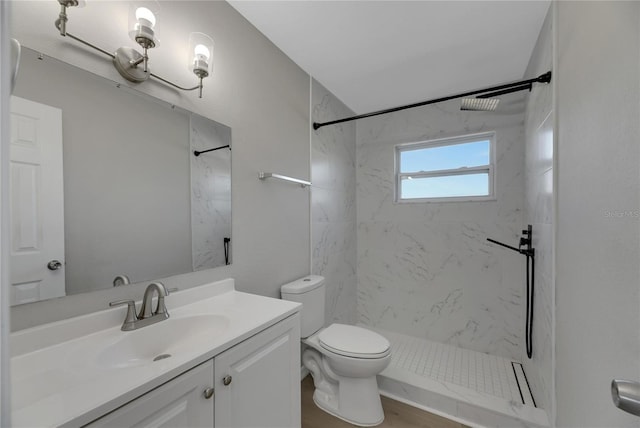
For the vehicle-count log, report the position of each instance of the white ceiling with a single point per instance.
(380, 54)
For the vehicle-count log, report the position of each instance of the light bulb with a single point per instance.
(202, 51)
(145, 17)
(200, 54)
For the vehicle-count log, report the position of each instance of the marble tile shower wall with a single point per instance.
(539, 213)
(333, 196)
(210, 193)
(426, 269)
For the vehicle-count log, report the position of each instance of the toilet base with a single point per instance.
(357, 401)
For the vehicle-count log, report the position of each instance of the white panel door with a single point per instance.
(258, 381)
(37, 202)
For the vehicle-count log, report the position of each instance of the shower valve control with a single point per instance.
(525, 241)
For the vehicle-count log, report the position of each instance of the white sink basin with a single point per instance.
(165, 339)
(71, 372)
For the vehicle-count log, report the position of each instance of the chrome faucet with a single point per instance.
(121, 280)
(147, 315)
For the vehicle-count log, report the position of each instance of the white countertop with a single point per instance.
(57, 382)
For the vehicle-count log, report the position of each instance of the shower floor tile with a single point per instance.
(470, 387)
(488, 374)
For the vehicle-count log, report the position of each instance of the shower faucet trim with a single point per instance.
(525, 241)
(530, 253)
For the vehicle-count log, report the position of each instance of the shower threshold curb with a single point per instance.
(457, 402)
(464, 388)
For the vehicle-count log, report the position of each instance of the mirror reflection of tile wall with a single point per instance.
(127, 179)
(210, 194)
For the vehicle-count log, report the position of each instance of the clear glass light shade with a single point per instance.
(142, 23)
(200, 54)
(145, 17)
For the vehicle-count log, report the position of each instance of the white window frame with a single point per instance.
(470, 138)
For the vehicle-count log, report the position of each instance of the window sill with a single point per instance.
(448, 199)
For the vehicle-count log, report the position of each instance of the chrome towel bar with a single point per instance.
(626, 395)
(265, 175)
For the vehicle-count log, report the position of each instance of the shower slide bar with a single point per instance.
(530, 252)
(482, 93)
(265, 175)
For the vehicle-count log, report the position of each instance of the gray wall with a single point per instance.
(333, 199)
(539, 212)
(426, 269)
(126, 177)
(255, 89)
(597, 242)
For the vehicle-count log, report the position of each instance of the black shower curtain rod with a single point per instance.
(198, 153)
(494, 91)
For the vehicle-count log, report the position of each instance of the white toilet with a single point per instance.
(343, 359)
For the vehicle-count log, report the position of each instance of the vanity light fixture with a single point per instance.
(200, 53)
(133, 65)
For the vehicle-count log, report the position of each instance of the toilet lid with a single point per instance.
(353, 341)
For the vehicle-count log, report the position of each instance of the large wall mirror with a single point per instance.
(105, 186)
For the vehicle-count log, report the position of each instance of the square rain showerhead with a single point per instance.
(479, 104)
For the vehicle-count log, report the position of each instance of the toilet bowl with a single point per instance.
(343, 359)
(345, 376)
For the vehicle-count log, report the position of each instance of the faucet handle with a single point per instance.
(131, 310)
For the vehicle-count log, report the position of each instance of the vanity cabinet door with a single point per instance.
(180, 402)
(258, 381)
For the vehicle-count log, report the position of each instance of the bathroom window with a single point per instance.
(452, 169)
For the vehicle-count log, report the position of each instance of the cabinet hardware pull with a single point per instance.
(208, 393)
(227, 380)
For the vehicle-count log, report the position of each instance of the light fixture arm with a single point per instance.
(61, 25)
(61, 22)
(155, 76)
(84, 42)
(135, 63)
(145, 59)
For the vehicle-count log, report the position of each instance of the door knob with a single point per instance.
(54, 265)
(227, 380)
(208, 393)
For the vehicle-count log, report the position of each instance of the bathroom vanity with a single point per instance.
(223, 358)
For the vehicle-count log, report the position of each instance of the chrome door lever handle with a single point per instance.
(626, 395)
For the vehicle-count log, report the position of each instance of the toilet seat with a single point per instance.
(353, 341)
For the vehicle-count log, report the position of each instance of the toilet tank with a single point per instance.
(310, 292)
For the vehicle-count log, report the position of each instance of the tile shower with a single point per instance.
(425, 270)
(451, 303)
